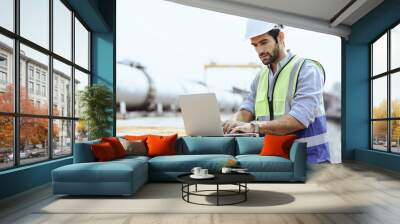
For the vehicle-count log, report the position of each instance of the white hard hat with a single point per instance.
(257, 27)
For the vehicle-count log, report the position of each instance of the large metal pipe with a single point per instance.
(136, 90)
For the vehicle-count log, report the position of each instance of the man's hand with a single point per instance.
(229, 125)
(244, 128)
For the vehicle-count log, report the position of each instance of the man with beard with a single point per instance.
(286, 96)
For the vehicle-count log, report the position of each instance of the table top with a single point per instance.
(220, 178)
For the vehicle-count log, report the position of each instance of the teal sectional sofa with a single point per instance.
(125, 176)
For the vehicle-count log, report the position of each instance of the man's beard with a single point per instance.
(272, 57)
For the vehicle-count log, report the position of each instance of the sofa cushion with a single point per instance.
(112, 171)
(277, 145)
(131, 158)
(249, 145)
(134, 147)
(206, 145)
(257, 163)
(103, 151)
(185, 163)
(116, 145)
(159, 145)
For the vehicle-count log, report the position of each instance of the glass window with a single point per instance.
(81, 131)
(37, 75)
(395, 95)
(379, 55)
(62, 72)
(30, 72)
(395, 47)
(81, 81)
(37, 89)
(40, 62)
(81, 45)
(382, 138)
(62, 137)
(6, 142)
(7, 14)
(379, 135)
(379, 98)
(3, 61)
(3, 79)
(43, 90)
(395, 136)
(34, 21)
(6, 74)
(31, 88)
(33, 139)
(34, 80)
(56, 110)
(62, 29)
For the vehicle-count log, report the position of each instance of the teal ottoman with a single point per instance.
(118, 177)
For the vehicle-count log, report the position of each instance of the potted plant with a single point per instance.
(96, 104)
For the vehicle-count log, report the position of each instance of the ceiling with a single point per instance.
(326, 16)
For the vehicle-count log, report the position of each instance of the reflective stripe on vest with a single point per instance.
(282, 92)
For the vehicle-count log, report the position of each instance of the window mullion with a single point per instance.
(16, 83)
(73, 82)
(50, 77)
(389, 106)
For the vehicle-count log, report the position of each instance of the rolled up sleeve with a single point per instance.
(248, 102)
(308, 95)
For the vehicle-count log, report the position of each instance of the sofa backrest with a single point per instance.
(206, 145)
(83, 152)
(190, 146)
(249, 145)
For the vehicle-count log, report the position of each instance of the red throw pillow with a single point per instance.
(116, 145)
(275, 145)
(161, 145)
(103, 151)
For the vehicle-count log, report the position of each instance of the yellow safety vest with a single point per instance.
(283, 90)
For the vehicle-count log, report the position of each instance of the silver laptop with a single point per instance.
(201, 116)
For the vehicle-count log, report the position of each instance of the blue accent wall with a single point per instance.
(100, 17)
(103, 54)
(103, 65)
(355, 82)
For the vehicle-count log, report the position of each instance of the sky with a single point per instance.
(175, 41)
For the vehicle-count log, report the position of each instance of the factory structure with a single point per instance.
(137, 90)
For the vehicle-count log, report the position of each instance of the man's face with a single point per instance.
(266, 48)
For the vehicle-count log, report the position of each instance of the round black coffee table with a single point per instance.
(238, 179)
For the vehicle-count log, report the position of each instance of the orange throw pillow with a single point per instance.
(116, 145)
(275, 145)
(103, 152)
(161, 145)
